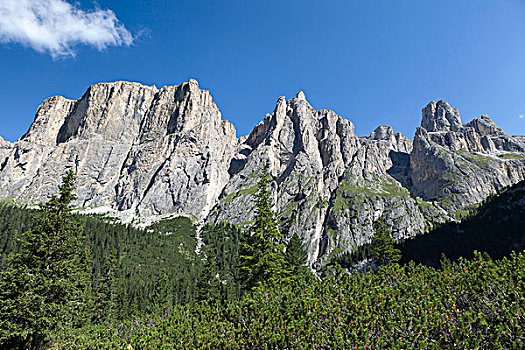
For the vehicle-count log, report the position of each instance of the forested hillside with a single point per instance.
(477, 304)
(496, 226)
(149, 289)
(137, 268)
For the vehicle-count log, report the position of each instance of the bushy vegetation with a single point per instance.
(148, 289)
(464, 305)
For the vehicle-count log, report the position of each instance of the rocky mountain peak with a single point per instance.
(382, 132)
(396, 141)
(134, 147)
(485, 126)
(141, 150)
(300, 95)
(440, 117)
(4, 143)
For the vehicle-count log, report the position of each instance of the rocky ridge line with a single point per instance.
(140, 150)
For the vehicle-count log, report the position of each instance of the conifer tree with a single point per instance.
(209, 285)
(295, 256)
(383, 245)
(161, 300)
(46, 284)
(261, 257)
(105, 295)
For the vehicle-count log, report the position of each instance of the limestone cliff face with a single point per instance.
(307, 152)
(133, 147)
(459, 165)
(144, 151)
(330, 186)
(5, 147)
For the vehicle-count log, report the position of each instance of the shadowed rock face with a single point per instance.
(148, 151)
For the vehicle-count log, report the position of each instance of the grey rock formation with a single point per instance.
(133, 147)
(330, 185)
(141, 150)
(5, 147)
(307, 152)
(461, 166)
(440, 117)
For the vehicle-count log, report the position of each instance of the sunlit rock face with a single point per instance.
(460, 165)
(133, 147)
(147, 151)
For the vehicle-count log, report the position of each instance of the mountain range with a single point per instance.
(142, 152)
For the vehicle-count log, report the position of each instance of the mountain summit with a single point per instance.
(145, 151)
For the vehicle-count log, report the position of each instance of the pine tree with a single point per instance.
(46, 284)
(209, 285)
(261, 257)
(383, 245)
(104, 290)
(296, 257)
(161, 301)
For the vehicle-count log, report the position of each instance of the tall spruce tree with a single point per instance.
(261, 255)
(383, 245)
(46, 284)
(209, 285)
(296, 257)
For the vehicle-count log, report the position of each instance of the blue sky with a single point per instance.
(373, 62)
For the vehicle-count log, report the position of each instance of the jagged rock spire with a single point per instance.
(440, 117)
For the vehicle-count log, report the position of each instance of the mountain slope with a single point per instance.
(133, 147)
(141, 151)
(495, 227)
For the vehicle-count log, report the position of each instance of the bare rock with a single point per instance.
(133, 147)
(440, 117)
(458, 167)
(139, 150)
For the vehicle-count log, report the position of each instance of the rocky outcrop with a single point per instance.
(330, 185)
(5, 147)
(145, 151)
(440, 117)
(133, 148)
(307, 152)
(461, 165)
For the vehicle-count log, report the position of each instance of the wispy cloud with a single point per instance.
(521, 116)
(57, 26)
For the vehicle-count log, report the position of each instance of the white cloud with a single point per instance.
(521, 116)
(57, 26)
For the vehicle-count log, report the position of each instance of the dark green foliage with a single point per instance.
(261, 257)
(13, 222)
(126, 262)
(209, 286)
(496, 227)
(475, 304)
(141, 260)
(46, 284)
(383, 245)
(222, 241)
(349, 259)
(296, 257)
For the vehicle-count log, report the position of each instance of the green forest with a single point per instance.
(70, 281)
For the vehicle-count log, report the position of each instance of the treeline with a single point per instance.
(138, 270)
